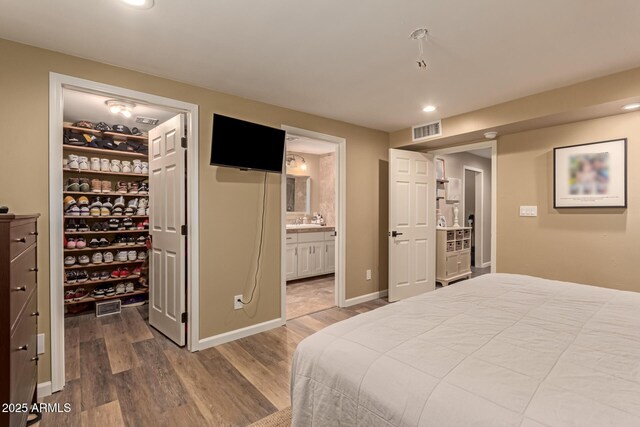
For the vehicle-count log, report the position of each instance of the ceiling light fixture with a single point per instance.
(429, 109)
(633, 106)
(120, 107)
(139, 4)
(420, 35)
(293, 163)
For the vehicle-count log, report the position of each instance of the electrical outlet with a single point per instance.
(237, 302)
(368, 274)
(40, 346)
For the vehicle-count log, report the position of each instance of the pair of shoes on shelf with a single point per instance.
(101, 186)
(75, 243)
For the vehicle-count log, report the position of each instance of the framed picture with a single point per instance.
(591, 175)
(440, 169)
(454, 188)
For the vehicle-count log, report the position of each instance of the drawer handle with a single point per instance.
(35, 359)
(33, 269)
(20, 240)
(35, 313)
(20, 289)
(33, 233)
(23, 347)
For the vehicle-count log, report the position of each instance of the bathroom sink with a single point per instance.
(303, 226)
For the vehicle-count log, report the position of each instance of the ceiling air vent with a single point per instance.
(147, 120)
(427, 130)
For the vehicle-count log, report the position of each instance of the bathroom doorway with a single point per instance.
(311, 224)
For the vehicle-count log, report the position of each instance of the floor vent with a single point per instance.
(107, 308)
(427, 130)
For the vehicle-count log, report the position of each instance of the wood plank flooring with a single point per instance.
(122, 372)
(310, 295)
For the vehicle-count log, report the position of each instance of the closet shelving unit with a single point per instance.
(89, 152)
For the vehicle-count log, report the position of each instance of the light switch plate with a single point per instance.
(368, 275)
(40, 344)
(528, 211)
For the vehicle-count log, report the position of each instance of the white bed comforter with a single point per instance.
(497, 350)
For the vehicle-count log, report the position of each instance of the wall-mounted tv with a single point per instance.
(244, 145)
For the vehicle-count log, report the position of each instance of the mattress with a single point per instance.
(497, 350)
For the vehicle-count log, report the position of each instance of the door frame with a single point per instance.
(341, 218)
(479, 255)
(57, 82)
(493, 144)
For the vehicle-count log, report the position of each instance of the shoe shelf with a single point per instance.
(105, 248)
(102, 151)
(114, 135)
(80, 233)
(90, 299)
(91, 172)
(106, 217)
(97, 282)
(102, 265)
(113, 193)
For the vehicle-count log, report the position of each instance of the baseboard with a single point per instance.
(365, 298)
(486, 264)
(43, 389)
(239, 333)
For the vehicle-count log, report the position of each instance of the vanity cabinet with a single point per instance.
(309, 254)
(453, 254)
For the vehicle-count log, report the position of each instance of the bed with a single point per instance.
(497, 350)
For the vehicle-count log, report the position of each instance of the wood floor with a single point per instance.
(121, 372)
(310, 295)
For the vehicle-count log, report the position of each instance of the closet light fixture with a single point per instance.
(120, 107)
(429, 109)
(292, 161)
(139, 4)
(633, 106)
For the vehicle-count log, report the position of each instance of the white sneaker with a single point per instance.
(105, 166)
(108, 257)
(122, 256)
(95, 164)
(73, 162)
(115, 165)
(83, 163)
(126, 166)
(96, 258)
(142, 255)
(145, 167)
(137, 166)
(132, 255)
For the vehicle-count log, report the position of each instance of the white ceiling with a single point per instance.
(92, 107)
(301, 144)
(348, 60)
(484, 152)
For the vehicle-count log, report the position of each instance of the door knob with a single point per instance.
(395, 234)
(24, 347)
(20, 240)
(35, 359)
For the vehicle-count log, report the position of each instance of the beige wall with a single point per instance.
(229, 199)
(593, 246)
(454, 164)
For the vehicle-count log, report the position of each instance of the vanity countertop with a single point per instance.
(310, 230)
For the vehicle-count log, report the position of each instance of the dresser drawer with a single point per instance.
(329, 236)
(311, 237)
(21, 237)
(23, 355)
(22, 283)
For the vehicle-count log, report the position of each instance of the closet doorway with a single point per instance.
(123, 212)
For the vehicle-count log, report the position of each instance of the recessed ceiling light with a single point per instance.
(429, 109)
(139, 4)
(633, 106)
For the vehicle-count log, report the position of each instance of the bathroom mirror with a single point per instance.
(299, 194)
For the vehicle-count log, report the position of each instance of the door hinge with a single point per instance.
(185, 317)
(183, 142)
(183, 230)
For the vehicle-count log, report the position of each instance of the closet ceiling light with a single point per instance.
(139, 4)
(633, 106)
(120, 107)
(429, 109)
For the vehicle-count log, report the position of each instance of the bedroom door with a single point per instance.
(167, 216)
(412, 227)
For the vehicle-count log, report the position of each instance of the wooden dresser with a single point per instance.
(453, 254)
(18, 315)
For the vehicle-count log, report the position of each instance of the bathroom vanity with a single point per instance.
(310, 251)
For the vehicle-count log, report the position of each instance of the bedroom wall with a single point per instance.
(454, 164)
(229, 199)
(593, 246)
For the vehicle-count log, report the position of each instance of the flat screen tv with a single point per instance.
(244, 145)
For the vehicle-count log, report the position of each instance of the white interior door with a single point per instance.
(412, 228)
(166, 217)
